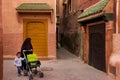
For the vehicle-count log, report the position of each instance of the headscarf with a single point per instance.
(26, 45)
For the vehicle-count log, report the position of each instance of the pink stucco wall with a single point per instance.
(13, 26)
(115, 57)
(1, 44)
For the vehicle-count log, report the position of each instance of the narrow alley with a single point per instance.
(67, 67)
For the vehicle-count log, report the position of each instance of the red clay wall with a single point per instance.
(86, 3)
(1, 47)
(115, 58)
(119, 17)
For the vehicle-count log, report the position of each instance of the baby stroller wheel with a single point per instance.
(30, 77)
(41, 75)
(35, 72)
(25, 73)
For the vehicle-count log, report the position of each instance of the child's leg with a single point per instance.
(23, 65)
(19, 70)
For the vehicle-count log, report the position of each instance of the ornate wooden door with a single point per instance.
(97, 46)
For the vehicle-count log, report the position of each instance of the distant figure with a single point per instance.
(18, 63)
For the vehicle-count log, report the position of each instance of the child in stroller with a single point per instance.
(31, 64)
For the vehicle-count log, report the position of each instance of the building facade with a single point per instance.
(29, 18)
(92, 38)
(97, 24)
(72, 36)
(1, 43)
(115, 61)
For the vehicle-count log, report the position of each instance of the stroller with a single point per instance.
(31, 65)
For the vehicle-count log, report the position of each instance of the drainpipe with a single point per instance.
(117, 14)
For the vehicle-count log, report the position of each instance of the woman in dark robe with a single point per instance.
(26, 49)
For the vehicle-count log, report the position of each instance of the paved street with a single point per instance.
(67, 67)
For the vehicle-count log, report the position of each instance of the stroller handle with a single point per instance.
(24, 53)
(27, 50)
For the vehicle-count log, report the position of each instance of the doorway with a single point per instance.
(37, 30)
(97, 53)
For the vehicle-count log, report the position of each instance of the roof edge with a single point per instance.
(34, 6)
(105, 16)
(87, 12)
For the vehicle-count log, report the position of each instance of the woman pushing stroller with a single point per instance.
(28, 60)
(26, 49)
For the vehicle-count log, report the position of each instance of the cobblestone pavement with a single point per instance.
(67, 67)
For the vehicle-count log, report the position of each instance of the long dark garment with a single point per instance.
(26, 46)
(28, 49)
